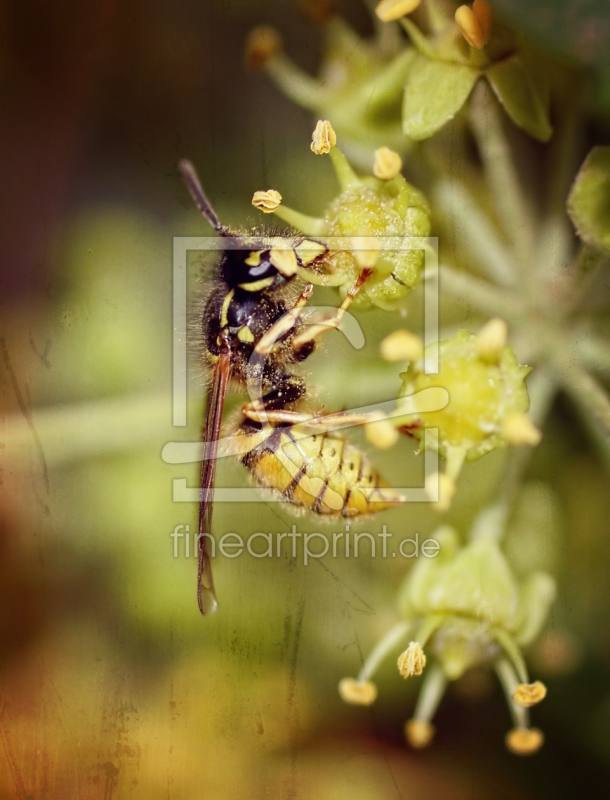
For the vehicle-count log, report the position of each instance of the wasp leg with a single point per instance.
(290, 389)
(313, 331)
(320, 422)
(284, 324)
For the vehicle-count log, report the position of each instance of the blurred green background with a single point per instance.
(111, 684)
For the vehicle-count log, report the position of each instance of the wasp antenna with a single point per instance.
(193, 184)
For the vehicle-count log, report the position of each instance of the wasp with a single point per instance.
(253, 332)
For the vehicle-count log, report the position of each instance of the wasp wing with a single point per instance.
(206, 596)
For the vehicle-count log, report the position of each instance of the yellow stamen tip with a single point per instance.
(529, 694)
(518, 429)
(492, 338)
(319, 11)
(324, 137)
(381, 432)
(446, 490)
(418, 733)
(482, 10)
(475, 23)
(390, 10)
(387, 164)
(357, 693)
(262, 45)
(365, 250)
(524, 741)
(267, 201)
(412, 661)
(402, 345)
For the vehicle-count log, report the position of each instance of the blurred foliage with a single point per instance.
(111, 684)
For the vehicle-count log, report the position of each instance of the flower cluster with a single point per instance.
(467, 609)
(369, 225)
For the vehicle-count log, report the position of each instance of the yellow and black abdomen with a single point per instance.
(323, 473)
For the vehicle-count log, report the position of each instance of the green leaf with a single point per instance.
(589, 200)
(522, 89)
(435, 92)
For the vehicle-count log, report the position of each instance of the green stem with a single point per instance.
(431, 694)
(582, 272)
(586, 391)
(296, 84)
(542, 387)
(508, 679)
(383, 648)
(594, 353)
(556, 235)
(510, 199)
(489, 300)
(476, 232)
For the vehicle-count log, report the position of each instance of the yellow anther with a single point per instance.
(357, 693)
(412, 661)
(324, 137)
(365, 250)
(262, 45)
(528, 694)
(482, 9)
(390, 10)
(387, 164)
(492, 338)
(402, 345)
(419, 733)
(524, 741)
(381, 432)
(319, 11)
(267, 201)
(475, 23)
(519, 429)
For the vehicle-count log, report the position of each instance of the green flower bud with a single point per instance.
(367, 224)
(485, 389)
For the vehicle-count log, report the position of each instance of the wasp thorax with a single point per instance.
(253, 270)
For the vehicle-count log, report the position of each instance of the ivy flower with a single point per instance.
(360, 84)
(463, 609)
(454, 54)
(366, 224)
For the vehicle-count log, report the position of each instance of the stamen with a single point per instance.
(475, 23)
(381, 432)
(412, 661)
(262, 46)
(390, 10)
(358, 693)
(319, 11)
(365, 250)
(519, 429)
(382, 649)
(524, 741)
(310, 226)
(268, 201)
(387, 164)
(402, 345)
(419, 731)
(343, 169)
(529, 694)
(324, 137)
(419, 734)
(492, 338)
